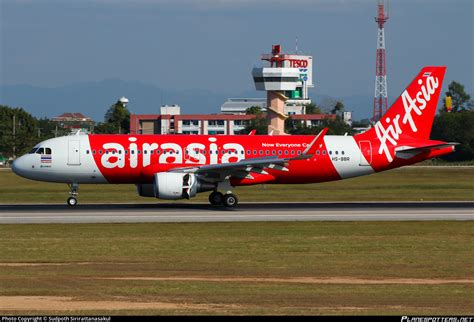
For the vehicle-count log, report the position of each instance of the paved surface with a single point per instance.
(187, 212)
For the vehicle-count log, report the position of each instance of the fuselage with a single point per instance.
(134, 159)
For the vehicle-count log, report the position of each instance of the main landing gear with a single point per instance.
(217, 198)
(72, 200)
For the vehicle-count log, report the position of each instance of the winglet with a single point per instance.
(313, 146)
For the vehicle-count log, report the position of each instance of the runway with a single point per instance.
(245, 212)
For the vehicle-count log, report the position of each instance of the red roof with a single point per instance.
(313, 117)
(72, 115)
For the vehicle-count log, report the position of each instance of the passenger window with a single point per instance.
(144, 151)
(286, 152)
(248, 152)
(337, 152)
(261, 152)
(93, 151)
(254, 152)
(299, 152)
(330, 152)
(132, 151)
(279, 152)
(317, 152)
(292, 152)
(342, 152)
(324, 152)
(87, 152)
(267, 152)
(273, 152)
(100, 151)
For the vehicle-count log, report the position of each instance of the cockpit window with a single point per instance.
(42, 151)
(33, 150)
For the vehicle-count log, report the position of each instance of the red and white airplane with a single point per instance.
(180, 166)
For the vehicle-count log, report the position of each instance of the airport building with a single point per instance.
(74, 122)
(171, 121)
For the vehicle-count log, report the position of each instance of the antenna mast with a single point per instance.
(381, 96)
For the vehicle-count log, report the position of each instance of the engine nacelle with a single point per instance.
(173, 186)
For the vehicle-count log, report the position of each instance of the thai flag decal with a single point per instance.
(46, 158)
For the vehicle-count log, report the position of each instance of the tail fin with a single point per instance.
(413, 112)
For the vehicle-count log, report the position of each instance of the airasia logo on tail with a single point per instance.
(390, 133)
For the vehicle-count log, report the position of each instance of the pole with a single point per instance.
(14, 134)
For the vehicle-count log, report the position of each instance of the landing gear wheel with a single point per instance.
(216, 198)
(71, 201)
(230, 200)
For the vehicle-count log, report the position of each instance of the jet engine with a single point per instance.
(173, 186)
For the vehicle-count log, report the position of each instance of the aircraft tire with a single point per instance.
(216, 198)
(230, 200)
(71, 201)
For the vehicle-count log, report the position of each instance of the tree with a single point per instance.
(312, 108)
(253, 110)
(116, 120)
(460, 99)
(18, 131)
(338, 108)
(259, 123)
(456, 127)
(335, 127)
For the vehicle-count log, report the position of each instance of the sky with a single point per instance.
(213, 44)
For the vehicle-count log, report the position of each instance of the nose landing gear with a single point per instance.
(72, 200)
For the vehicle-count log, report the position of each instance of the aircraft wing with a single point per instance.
(243, 168)
(405, 152)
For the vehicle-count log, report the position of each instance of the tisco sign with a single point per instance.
(298, 63)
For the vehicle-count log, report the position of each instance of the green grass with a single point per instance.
(411, 184)
(371, 250)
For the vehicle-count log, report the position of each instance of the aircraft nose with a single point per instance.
(19, 166)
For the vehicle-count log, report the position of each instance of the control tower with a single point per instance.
(286, 82)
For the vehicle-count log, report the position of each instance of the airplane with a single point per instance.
(176, 167)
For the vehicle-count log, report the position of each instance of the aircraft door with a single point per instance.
(74, 156)
(366, 153)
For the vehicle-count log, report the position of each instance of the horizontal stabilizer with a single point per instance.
(407, 152)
